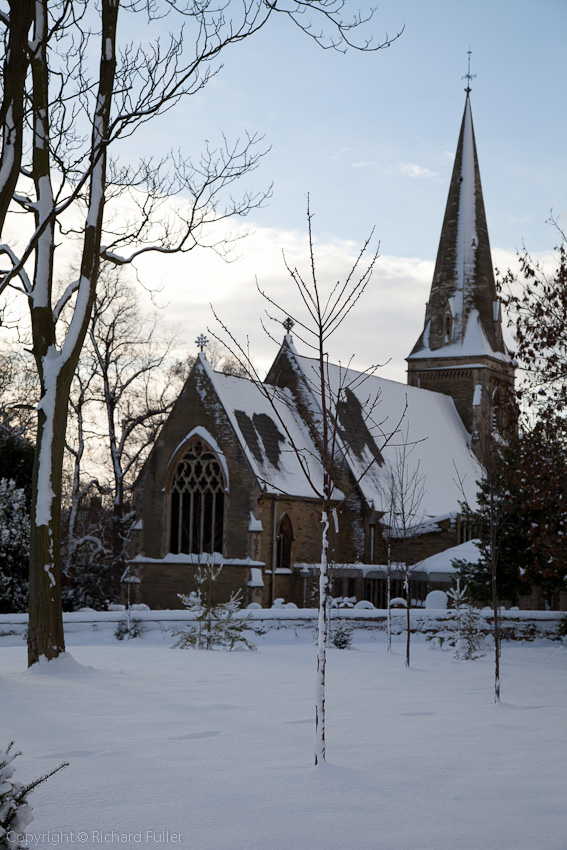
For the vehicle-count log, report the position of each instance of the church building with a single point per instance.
(234, 473)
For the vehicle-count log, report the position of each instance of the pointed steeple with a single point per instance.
(461, 350)
(463, 288)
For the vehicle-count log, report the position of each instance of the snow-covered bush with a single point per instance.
(215, 624)
(343, 602)
(341, 635)
(471, 641)
(127, 628)
(15, 811)
(14, 548)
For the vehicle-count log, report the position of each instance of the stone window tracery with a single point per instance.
(197, 502)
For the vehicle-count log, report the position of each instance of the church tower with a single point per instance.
(461, 350)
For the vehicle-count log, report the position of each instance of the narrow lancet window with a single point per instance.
(284, 539)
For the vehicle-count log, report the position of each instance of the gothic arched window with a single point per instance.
(197, 502)
(284, 538)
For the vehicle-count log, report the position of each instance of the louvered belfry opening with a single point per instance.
(197, 502)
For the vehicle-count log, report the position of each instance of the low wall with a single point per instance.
(515, 625)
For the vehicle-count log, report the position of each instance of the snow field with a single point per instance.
(218, 746)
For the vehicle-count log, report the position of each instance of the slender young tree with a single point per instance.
(493, 500)
(73, 86)
(405, 493)
(325, 310)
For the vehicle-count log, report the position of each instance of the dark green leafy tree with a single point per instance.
(529, 496)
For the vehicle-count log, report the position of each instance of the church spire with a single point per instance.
(461, 350)
(463, 288)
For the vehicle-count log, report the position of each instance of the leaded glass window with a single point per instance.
(197, 502)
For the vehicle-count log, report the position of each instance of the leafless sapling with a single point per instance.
(325, 308)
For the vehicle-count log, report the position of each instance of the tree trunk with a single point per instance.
(56, 367)
(45, 632)
(494, 599)
(408, 617)
(323, 626)
(13, 107)
(388, 600)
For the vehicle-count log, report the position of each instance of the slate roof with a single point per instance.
(426, 422)
(267, 432)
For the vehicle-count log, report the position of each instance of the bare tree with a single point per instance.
(19, 393)
(325, 309)
(73, 85)
(489, 517)
(405, 492)
(130, 356)
(121, 394)
(536, 302)
(219, 358)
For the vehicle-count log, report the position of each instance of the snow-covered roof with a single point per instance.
(255, 524)
(474, 343)
(256, 579)
(467, 231)
(268, 429)
(443, 562)
(426, 422)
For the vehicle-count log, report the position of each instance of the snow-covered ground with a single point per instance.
(216, 747)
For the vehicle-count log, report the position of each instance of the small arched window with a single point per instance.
(448, 326)
(197, 502)
(284, 538)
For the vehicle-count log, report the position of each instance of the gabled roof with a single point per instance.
(428, 423)
(267, 432)
(463, 281)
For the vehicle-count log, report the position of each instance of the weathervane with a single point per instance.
(468, 76)
(202, 342)
(288, 324)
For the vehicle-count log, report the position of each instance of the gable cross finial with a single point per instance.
(201, 342)
(468, 76)
(288, 324)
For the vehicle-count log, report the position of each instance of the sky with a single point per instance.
(371, 138)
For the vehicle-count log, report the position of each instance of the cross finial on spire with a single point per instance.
(468, 76)
(288, 324)
(202, 342)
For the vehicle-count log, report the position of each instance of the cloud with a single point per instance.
(363, 164)
(381, 329)
(338, 153)
(410, 169)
